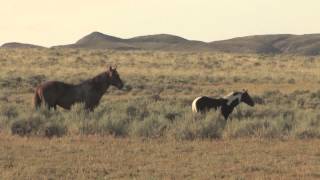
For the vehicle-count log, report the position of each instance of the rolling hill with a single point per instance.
(19, 45)
(151, 42)
(308, 44)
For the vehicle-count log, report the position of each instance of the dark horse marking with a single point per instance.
(226, 103)
(89, 92)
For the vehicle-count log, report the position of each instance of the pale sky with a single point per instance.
(56, 22)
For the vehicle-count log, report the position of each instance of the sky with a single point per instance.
(57, 22)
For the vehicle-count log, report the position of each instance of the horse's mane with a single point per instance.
(233, 93)
(230, 97)
(98, 82)
(96, 79)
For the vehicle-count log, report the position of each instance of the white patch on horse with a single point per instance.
(194, 104)
(230, 97)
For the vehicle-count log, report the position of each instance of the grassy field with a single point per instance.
(122, 158)
(147, 130)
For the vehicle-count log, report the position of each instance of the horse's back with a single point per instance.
(204, 103)
(53, 89)
(54, 86)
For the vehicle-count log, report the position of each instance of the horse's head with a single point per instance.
(246, 98)
(114, 77)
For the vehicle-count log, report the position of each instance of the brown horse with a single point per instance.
(89, 92)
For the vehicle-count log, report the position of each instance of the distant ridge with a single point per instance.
(164, 38)
(97, 40)
(19, 45)
(308, 44)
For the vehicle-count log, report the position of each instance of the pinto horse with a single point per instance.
(89, 92)
(226, 104)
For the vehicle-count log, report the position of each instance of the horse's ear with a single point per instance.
(110, 68)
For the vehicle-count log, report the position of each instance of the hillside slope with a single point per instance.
(19, 45)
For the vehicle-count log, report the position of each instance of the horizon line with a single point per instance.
(251, 35)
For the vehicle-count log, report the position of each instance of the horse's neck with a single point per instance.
(92, 87)
(233, 104)
(227, 109)
(231, 98)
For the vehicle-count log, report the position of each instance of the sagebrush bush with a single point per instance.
(152, 126)
(54, 129)
(161, 117)
(253, 128)
(199, 126)
(42, 123)
(115, 124)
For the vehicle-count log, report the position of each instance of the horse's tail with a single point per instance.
(36, 99)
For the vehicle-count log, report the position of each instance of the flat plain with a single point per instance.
(147, 130)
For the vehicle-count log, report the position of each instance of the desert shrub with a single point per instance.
(9, 111)
(77, 119)
(28, 124)
(199, 126)
(308, 133)
(252, 128)
(115, 124)
(171, 116)
(152, 126)
(315, 94)
(86, 127)
(21, 128)
(137, 110)
(40, 124)
(286, 125)
(54, 129)
(308, 125)
(212, 126)
(276, 124)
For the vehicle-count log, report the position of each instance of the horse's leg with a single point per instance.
(48, 102)
(47, 105)
(89, 108)
(51, 105)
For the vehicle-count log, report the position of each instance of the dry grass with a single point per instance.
(110, 158)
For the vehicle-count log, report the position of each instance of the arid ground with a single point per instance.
(147, 129)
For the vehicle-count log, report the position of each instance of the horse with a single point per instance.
(226, 104)
(89, 92)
